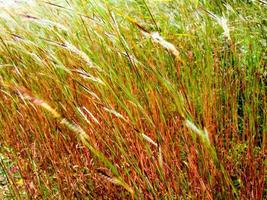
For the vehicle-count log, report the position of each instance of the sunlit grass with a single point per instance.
(134, 99)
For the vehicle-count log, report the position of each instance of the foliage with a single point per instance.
(136, 99)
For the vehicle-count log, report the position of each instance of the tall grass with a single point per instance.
(134, 99)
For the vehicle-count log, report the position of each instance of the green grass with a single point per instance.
(134, 99)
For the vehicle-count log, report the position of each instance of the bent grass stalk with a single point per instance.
(81, 134)
(203, 134)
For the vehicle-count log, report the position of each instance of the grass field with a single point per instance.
(136, 99)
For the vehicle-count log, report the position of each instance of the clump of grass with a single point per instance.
(134, 99)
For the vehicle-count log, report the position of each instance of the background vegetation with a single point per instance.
(142, 99)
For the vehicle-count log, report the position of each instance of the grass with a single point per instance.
(134, 99)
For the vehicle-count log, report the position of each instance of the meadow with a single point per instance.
(133, 99)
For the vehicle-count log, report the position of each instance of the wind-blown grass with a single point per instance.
(134, 99)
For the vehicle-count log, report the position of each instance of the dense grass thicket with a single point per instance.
(136, 99)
